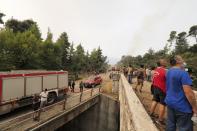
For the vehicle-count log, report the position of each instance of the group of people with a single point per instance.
(172, 88)
(71, 85)
(140, 73)
(40, 101)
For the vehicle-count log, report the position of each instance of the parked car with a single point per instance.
(93, 81)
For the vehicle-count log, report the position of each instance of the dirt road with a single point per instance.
(146, 99)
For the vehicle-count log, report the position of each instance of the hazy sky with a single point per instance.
(119, 27)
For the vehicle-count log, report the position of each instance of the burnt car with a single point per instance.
(93, 81)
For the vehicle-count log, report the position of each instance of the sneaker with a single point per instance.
(162, 122)
(152, 116)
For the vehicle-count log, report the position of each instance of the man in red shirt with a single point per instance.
(159, 86)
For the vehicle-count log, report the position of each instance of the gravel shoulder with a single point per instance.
(146, 99)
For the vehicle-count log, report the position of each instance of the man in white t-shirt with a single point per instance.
(43, 98)
(148, 74)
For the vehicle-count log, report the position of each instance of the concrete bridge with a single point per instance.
(132, 115)
(64, 111)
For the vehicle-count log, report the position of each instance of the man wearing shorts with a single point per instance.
(159, 85)
(140, 77)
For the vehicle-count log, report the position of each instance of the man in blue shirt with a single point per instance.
(180, 98)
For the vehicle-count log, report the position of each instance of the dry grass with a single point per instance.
(107, 86)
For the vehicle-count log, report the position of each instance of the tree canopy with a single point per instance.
(22, 47)
(181, 47)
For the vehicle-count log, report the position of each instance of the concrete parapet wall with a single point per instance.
(133, 116)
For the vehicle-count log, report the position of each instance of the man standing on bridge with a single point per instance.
(36, 105)
(180, 98)
(159, 89)
(73, 86)
(43, 98)
(81, 86)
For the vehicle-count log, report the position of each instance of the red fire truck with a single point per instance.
(18, 89)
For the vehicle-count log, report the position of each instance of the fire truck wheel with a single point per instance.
(52, 97)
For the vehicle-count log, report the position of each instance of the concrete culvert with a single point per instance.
(103, 116)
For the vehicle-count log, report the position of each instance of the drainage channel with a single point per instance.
(104, 116)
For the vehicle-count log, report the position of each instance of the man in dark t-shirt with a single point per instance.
(140, 78)
(69, 84)
(73, 86)
(81, 84)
